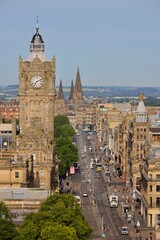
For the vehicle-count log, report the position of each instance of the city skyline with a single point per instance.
(114, 43)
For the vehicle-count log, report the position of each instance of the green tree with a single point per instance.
(65, 130)
(66, 151)
(58, 232)
(60, 120)
(62, 168)
(59, 217)
(7, 227)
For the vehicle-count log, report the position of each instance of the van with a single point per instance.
(124, 230)
(113, 200)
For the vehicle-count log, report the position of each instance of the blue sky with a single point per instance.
(114, 42)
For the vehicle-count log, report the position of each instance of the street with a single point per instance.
(96, 206)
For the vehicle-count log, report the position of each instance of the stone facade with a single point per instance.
(35, 142)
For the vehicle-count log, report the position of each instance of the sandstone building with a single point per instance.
(31, 149)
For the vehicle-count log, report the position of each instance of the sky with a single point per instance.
(113, 42)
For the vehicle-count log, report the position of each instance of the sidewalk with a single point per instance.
(137, 226)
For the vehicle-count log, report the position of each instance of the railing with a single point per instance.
(153, 205)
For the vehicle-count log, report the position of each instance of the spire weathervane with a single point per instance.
(37, 26)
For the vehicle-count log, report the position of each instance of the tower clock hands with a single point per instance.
(36, 81)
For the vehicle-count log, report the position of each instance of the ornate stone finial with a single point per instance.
(141, 96)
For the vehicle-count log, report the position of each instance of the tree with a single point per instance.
(58, 232)
(65, 130)
(59, 217)
(60, 120)
(62, 168)
(7, 227)
(66, 151)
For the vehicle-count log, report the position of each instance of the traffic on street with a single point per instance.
(94, 185)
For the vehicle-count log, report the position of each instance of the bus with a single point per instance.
(72, 170)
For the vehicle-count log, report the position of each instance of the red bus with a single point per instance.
(72, 170)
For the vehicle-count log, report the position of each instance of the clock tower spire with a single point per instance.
(37, 45)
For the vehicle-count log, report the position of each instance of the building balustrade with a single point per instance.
(154, 205)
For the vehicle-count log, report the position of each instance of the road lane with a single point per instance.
(96, 206)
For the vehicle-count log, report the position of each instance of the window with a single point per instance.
(150, 188)
(158, 176)
(158, 188)
(137, 129)
(42, 172)
(150, 201)
(157, 201)
(150, 176)
(16, 174)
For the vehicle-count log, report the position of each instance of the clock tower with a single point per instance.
(37, 102)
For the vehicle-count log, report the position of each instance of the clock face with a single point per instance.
(36, 81)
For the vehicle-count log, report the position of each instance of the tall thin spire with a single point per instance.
(37, 25)
(78, 85)
(60, 93)
(71, 91)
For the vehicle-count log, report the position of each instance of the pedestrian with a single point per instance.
(150, 236)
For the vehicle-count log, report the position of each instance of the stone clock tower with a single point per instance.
(37, 102)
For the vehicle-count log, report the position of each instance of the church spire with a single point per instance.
(78, 85)
(60, 93)
(71, 92)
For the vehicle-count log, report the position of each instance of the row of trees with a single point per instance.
(65, 150)
(59, 217)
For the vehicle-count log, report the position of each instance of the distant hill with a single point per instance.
(93, 91)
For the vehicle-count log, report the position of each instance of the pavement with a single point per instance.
(138, 226)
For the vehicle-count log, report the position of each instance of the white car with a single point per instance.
(84, 194)
(124, 230)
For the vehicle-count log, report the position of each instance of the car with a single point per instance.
(103, 235)
(124, 230)
(98, 169)
(84, 194)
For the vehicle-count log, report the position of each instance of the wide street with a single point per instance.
(96, 206)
